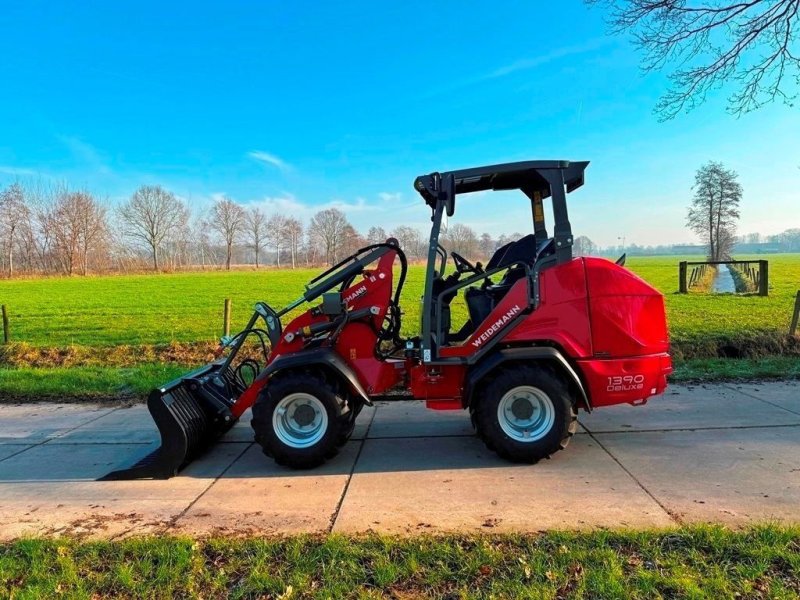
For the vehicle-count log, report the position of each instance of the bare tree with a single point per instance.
(462, 239)
(78, 226)
(228, 219)
(151, 216)
(276, 235)
(329, 228)
(14, 214)
(351, 241)
(583, 246)
(376, 235)
(712, 42)
(256, 230)
(410, 241)
(487, 245)
(292, 236)
(715, 208)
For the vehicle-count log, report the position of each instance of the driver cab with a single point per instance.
(508, 261)
(484, 287)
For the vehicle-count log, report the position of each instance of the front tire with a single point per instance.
(297, 419)
(525, 413)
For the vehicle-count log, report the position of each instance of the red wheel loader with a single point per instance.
(548, 334)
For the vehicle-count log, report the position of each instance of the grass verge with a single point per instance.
(126, 384)
(693, 562)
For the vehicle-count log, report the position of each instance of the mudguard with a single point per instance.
(326, 358)
(543, 353)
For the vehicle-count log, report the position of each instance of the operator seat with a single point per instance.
(481, 301)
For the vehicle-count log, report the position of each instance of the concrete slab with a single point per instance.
(258, 496)
(735, 476)
(131, 425)
(456, 484)
(413, 419)
(34, 423)
(108, 509)
(785, 394)
(364, 423)
(689, 407)
(68, 462)
(8, 450)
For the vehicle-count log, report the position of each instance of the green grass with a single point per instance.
(693, 562)
(86, 383)
(187, 307)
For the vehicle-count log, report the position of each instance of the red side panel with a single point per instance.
(627, 314)
(563, 313)
(625, 380)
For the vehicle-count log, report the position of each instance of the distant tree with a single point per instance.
(462, 239)
(255, 230)
(78, 228)
(151, 216)
(752, 238)
(329, 229)
(487, 245)
(376, 235)
(789, 240)
(14, 214)
(293, 237)
(276, 235)
(228, 219)
(583, 246)
(712, 43)
(351, 241)
(410, 241)
(505, 239)
(715, 208)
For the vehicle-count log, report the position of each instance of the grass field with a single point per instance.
(694, 562)
(147, 309)
(117, 337)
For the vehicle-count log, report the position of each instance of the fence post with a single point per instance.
(795, 315)
(682, 277)
(763, 280)
(226, 318)
(5, 325)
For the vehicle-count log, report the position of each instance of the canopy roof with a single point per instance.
(529, 176)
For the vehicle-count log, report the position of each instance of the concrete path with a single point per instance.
(728, 453)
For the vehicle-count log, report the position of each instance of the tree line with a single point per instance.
(52, 229)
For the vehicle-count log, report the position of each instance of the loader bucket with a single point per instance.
(191, 413)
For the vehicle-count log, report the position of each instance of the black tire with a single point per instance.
(557, 422)
(348, 421)
(314, 387)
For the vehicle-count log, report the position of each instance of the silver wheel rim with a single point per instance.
(300, 420)
(526, 413)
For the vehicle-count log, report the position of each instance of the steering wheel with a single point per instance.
(463, 265)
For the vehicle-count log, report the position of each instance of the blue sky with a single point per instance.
(301, 106)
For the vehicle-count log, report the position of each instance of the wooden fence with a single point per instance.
(756, 271)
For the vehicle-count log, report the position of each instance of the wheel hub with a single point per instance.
(300, 420)
(526, 413)
(522, 409)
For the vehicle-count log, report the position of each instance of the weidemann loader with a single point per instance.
(548, 334)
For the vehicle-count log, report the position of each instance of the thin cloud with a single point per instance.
(17, 171)
(543, 59)
(85, 153)
(522, 64)
(269, 159)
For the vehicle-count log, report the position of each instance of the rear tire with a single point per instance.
(525, 413)
(298, 419)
